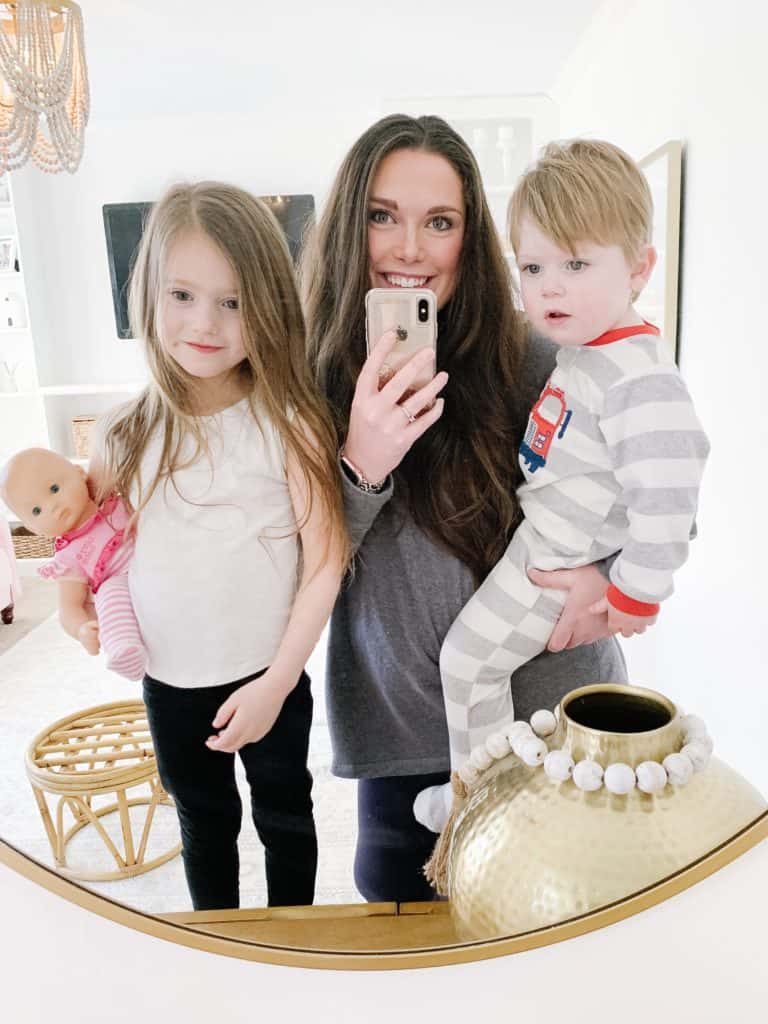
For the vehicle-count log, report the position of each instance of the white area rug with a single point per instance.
(47, 676)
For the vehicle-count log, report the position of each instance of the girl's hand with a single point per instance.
(622, 622)
(383, 425)
(248, 714)
(88, 635)
(579, 623)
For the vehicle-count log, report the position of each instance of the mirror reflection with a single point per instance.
(429, 469)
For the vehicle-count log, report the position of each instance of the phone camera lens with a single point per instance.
(423, 311)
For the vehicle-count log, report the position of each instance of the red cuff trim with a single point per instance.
(622, 603)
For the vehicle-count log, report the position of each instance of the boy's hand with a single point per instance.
(88, 635)
(248, 715)
(622, 622)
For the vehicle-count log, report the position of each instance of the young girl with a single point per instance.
(228, 460)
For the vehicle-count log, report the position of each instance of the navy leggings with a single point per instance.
(202, 784)
(392, 847)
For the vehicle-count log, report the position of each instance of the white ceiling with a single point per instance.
(157, 57)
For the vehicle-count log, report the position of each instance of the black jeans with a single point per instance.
(202, 784)
(392, 847)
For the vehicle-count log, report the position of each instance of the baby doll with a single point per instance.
(50, 496)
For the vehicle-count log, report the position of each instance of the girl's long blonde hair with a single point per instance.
(274, 373)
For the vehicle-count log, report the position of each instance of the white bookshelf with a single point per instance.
(36, 411)
(22, 409)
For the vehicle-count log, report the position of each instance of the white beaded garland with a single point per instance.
(543, 722)
(520, 742)
(651, 777)
(497, 745)
(480, 759)
(702, 740)
(526, 741)
(692, 726)
(697, 754)
(678, 768)
(619, 778)
(558, 765)
(588, 776)
(533, 751)
(518, 731)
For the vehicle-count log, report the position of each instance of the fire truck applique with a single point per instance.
(547, 415)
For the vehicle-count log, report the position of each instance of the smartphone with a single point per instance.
(412, 313)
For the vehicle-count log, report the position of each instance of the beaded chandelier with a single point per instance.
(44, 99)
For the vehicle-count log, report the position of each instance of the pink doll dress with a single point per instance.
(94, 551)
(97, 553)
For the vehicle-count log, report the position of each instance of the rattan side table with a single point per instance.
(79, 761)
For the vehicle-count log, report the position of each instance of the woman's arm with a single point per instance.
(76, 619)
(382, 423)
(585, 617)
(380, 432)
(577, 624)
(362, 507)
(251, 711)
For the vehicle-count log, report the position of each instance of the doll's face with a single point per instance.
(47, 492)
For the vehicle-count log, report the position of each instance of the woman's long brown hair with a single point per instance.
(459, 479)
(275, 376)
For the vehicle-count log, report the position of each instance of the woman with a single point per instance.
(429, 480)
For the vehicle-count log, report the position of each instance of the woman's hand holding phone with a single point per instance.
(383, 424)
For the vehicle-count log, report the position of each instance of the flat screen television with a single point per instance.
(124, 223)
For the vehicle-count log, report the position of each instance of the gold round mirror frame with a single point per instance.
(394, 959)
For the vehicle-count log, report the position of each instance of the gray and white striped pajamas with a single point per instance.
(613, 458)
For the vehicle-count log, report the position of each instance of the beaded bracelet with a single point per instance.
(528, 743)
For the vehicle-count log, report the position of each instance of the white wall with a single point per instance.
(647, 72)
(699, 956)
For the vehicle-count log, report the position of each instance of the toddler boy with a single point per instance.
(613, 453)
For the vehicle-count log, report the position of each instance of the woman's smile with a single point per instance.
(416, 223)
(401, 281)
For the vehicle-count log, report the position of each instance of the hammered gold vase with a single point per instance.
(527, 852)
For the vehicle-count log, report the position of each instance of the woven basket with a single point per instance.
(29, 545)
(81, 432)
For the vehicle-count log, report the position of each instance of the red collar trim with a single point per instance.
(624, 332)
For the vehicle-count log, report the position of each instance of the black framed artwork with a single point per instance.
(124, 225)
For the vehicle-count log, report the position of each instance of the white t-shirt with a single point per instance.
(214, 571)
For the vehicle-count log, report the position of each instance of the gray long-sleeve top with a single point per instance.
(385, 705)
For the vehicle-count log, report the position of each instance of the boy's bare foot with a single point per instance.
(7, 614)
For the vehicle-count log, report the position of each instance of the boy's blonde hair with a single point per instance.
(275, 376)
(584, 190)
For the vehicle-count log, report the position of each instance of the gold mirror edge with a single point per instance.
(184, 935)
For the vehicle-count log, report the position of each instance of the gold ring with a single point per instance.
(409, 415)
